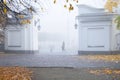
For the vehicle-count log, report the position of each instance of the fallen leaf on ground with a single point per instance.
(15, 73)
(112, 58)
(105, 71)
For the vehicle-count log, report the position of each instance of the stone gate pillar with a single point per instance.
(21, 38)
(95, 30)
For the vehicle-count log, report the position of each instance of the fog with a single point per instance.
(57, 29)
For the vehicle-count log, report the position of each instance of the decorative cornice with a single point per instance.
(95, 18)
(90, 7)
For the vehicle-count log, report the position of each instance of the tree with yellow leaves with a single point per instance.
(68, 4)
(110, 4)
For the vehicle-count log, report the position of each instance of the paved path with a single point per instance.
(33, 60)
(70, 74)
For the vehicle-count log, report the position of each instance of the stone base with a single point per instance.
(98, 52)
(22, 51)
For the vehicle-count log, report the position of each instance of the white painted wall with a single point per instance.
(13, 38)
(21, 37)
(96, 29)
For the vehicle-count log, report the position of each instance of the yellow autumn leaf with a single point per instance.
(65, 6)
(54, 1)
(67, 1)
(25, 22)
(4, 1)
(77, 1)
(110, 4)
(71, 7)
(5, 10)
